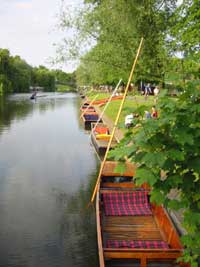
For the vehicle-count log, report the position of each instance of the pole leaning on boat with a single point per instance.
(117, 119)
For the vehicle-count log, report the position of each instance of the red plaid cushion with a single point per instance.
(126, 203)
(155, 244)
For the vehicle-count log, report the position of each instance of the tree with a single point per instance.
(171, 144)
(5, 66)
(43, 77)
(65, 78)
(111, 30)
(20, 75)
(185, 29)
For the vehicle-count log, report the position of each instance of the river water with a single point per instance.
(47, 173)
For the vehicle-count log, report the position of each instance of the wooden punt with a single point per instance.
(140, 240)
(105, 100)
(82, 95)
(89, 108)
(100, 138)
(88, 117)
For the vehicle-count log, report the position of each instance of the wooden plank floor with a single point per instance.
(130, 228)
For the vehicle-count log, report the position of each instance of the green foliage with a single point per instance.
(171, 144)
(43, 77)
(1, 88)
(16, 75)
(20, 75)
(185, 30)
(64, 88)
(111, 31)
(64, 78)
(5, 84)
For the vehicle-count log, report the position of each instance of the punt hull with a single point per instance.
(155, 228)
(89, 118)
(101, 145)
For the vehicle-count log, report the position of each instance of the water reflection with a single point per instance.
(47, 169)
(11, 110)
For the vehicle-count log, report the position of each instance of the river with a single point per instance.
(47, 173)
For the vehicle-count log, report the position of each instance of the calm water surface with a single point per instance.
(47, 173)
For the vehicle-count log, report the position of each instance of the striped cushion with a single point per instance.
(126, 203)
(155, 244)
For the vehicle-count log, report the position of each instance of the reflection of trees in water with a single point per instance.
(78, 114)
(20, 107)
(10, 110)
(78, 228)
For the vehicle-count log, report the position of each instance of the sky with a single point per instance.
(28, 29)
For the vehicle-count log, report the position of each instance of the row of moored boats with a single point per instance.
(131, 231)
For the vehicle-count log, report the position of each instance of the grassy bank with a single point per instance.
(130, 104)
(64, 88)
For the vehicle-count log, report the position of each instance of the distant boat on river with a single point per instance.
(33, 96)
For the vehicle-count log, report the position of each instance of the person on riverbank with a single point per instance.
(147, 115)
(147, 90)
(154, 112)
(156, 91)
(129, 120)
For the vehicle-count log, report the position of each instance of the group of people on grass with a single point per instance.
(147, 115)
(148, 89)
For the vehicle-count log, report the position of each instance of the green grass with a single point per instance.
(64, 88)
(99, 95)
(130, 104)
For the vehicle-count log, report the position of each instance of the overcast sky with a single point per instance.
(28, 29)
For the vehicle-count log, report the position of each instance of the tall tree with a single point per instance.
(185, 30)
(114, 29)
(20, 75)
(5, 65)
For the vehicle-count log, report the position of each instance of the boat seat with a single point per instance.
(101, 130)
(126, 203)
(147, 244)
(91, 116)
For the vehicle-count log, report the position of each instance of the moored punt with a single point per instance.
(130, 230)
(89, 117)
(87, 107)
(105, 100)
(82, 95)
(100, 136)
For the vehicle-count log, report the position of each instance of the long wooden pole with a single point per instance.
(116, 120)
(89, 106)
